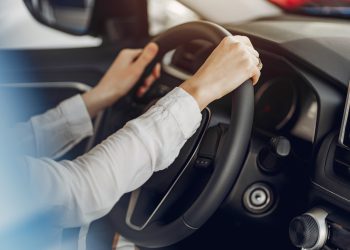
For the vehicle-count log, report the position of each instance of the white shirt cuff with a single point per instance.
(185, 110)
(78, 119)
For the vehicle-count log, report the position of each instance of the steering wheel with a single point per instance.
(152, 231)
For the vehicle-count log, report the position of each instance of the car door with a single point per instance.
(35, 80)
(44, 78)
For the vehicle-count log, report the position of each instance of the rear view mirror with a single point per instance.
(70, 16)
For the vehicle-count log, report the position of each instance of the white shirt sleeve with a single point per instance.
(87, 188)
(55, 132)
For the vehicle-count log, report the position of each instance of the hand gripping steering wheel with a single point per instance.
(227, 164)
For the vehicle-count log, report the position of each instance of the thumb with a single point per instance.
(147, 55)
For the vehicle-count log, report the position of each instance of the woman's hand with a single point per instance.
(231, 63)
(121, 77)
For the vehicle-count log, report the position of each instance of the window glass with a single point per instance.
(19, 30)
(164, 14)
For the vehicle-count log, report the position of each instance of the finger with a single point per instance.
(245, 40)
(255, 78)
(254, 52)
(255, 60)
(127, 56)
(149, 81)
(250, 57)
(146, 85)
(147, 55)
(141, 92)
(156, 70)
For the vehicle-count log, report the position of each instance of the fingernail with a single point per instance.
(152, 47)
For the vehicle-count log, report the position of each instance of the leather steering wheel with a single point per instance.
(227, 163)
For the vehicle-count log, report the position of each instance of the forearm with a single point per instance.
(54, 132)
(89, 186)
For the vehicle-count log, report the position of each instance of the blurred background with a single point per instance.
(18, 28)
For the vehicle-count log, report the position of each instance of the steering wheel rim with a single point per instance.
(229, 160)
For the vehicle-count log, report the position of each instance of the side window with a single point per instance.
(164, 14)
(19, 30)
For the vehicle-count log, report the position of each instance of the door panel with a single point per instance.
(34, 81)
(43, 78)
(43, 96)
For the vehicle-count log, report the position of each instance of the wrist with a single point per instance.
(97, 100)
(198, 92)
(105, 96)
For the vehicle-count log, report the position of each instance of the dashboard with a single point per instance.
(300, 98)
(284, 101)
(299, 104)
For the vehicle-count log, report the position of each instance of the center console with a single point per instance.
(328, 226)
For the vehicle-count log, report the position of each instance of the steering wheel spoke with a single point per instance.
(152, 201)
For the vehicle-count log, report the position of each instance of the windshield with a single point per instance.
(333, 8)
(240, 11)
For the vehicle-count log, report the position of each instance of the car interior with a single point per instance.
(268, 168)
